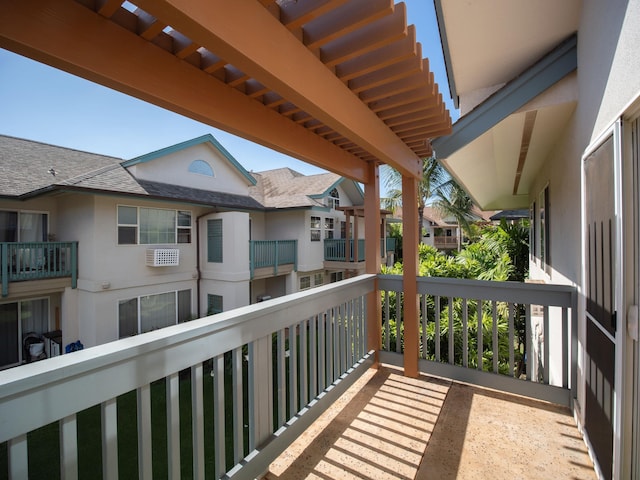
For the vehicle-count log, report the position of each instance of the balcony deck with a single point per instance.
(225, 395)
(390, 426)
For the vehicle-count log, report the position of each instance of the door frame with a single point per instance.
(630, 435)
(614, 131)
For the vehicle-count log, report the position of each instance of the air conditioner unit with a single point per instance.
(163, 257)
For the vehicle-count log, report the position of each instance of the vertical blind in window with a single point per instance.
(214, 240)
(214, 304)
(157, 226)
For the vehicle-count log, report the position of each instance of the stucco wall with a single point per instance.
(108, 272)
(608, 63)
(173, 169)
(608, 81)
(98, 312)
(235, 248)
(234, 294)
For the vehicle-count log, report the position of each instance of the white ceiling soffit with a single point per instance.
(524, 58)
(490, 43)
(487, 167)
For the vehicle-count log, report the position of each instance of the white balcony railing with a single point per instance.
(242, 384)
(527, 343)
(226, 394)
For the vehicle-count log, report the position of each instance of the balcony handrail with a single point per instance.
(501, 302)
(327, 322)
(20, 261)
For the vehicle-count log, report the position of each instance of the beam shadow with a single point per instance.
(361, 442)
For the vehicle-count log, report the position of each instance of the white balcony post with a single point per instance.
(260, 391)
(372, 258)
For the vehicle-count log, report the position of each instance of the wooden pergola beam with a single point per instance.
(265, 50)
(77, 40)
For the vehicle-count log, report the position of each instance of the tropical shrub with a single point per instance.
(490, 258)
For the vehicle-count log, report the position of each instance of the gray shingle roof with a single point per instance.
(205, 197)
(27, 165)
(286, 188)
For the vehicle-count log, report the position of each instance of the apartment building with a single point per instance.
(95, 248)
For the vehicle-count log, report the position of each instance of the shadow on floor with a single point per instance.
(381, 432)
(389, 426)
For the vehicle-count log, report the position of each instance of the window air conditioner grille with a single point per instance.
(163, 257)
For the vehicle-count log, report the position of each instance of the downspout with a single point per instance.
(198, 276)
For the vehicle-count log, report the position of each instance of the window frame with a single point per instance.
(182, 233)
(306, 279)
(333, 199)
(329, 225)
(211, 299)
(20, 325)
(45, 216)
(215, 252)
(177, 318)
(544, 246)
(315, 228)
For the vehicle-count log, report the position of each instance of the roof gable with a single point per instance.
(286, 188)
(204, 139)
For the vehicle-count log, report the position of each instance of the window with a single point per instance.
(214, 240)
(151, 312)
(336, 276)
(184, 226)
(315, 229)
(532, 230)
(543, 212)
(152, 226)
(23, 226)
(318, 279)
(328, 228)
(539, 230)
(127, 225)
(305, 283)
(214, 304)
(18, 319)
(201, 167)
(333, 200)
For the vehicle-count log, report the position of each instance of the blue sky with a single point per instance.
(40, 103)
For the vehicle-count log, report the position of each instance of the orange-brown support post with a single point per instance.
(372, 258)
(409, 277)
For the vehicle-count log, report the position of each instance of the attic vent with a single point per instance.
(163, 257)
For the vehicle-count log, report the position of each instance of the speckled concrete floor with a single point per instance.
(388, 426)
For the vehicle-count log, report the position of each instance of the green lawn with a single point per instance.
(44, 443)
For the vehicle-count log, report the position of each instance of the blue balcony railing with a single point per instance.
(23, 261)
(272, 254)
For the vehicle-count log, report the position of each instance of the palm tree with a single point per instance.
(433, 177)
(453, 201)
